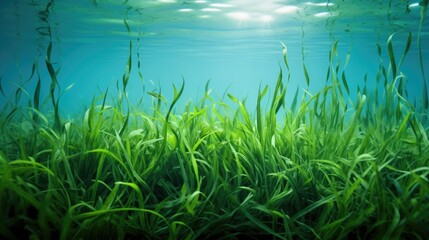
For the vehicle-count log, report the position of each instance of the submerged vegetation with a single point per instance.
(324, 166)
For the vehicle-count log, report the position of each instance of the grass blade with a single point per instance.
(391, 55)
(307, 78)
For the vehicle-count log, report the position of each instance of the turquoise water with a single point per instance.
(235, 44)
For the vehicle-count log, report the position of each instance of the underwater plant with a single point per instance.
(324, 166)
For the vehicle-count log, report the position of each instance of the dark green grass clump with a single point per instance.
(327, 167)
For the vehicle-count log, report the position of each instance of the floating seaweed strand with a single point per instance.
(44, 15)
(423, 5)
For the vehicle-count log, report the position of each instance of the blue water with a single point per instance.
(235, 44)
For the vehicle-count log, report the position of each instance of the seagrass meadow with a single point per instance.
(346, 160)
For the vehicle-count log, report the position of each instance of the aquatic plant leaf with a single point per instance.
(379, 50)
(110, 198)
(34, 166)
(345, 84)
(18, 92)
(403, 125)
(102, 212)
(365, 80)
(124, 126)
(39, 116)
(127, 155)
(57, 120)
(384, 72)
(313, 206)
(108, 153)
(9, 116)
(126, 76)
(307, 78)
(233, 98)
(24, 194)
(53, 76)
(407, 48)
(127, 26)
(347, 58)
(68, 87)
(206, 87)
(177, 94)
(49, 51)
(36, 98)
(259, 120)
(337, 68)
(104, 99)
(1, 86)
(391, 54)
(260, 224)
(425, 96)
(295, 100)
(157, 96)
(33, 70)
(355, 121)
(285, 55)
(244, 113)
(423, 10)
(333, 52)
(279, 94)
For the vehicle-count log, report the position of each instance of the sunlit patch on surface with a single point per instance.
(266, 19)
(167, 1)
(221, 5)
(210, 10)
(286, 9)
(323, 14)
(242, 16)
(325, 4)
(186, 10)
(200, 1)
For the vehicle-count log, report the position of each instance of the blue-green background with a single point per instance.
(200, 40)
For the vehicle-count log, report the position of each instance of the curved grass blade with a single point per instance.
(307, 78)
(9, 116)
(127, 26)
(33, 70)
(391, 54)
(406, 49)
(124, 126)
(260, 224)
(36, 99)
(345, 84)
(176, 97)
(294, 101)
(279, 94)
(285, 55)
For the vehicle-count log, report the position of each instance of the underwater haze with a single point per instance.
(214, 119)
(235, 44)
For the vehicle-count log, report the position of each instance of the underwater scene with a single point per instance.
(214, 119)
